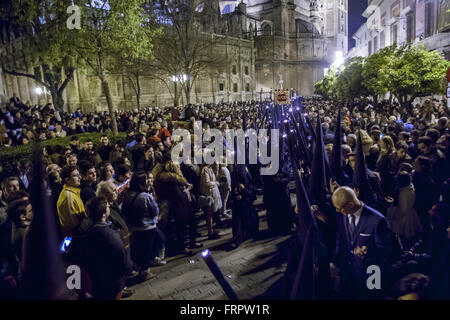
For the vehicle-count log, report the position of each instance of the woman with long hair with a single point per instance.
(173, 191)
(386, 165)
(403, 218)
(209, 189)
(142, 215)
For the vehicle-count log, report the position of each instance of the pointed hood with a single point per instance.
(360, 176)
(318, 182)
(336, 162)
(311, 131)
(44, 273)
(300, 141)
(304, 281)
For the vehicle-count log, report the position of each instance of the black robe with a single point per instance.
(278, 204)
(245, 220)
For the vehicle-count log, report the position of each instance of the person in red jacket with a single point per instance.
(163, 132)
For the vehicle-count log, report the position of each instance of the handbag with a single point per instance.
(205, 201)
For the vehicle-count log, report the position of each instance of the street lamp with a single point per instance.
(39, 91)
(339, 59)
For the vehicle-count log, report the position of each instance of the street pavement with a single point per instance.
(251, 269)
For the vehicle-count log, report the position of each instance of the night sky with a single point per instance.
(355, 20)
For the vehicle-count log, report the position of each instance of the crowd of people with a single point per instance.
(399, 220)
(126, 206)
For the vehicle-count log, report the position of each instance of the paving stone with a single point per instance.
(181, 280)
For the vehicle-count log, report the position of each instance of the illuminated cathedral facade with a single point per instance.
(271, 43)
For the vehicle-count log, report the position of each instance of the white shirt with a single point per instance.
(24, 179)
(357, 214)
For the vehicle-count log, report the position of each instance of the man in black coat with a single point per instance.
(362, 242)
(88, 153)
(100, 250)
(105, 148)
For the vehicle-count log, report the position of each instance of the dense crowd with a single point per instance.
(126, 206)
(407, 162)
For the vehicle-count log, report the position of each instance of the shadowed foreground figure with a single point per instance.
(278, 204)
(245, 222)
(43, 270)
(104, 255)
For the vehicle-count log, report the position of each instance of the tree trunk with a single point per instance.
(107, 91)
(403, 100)
(138, 92)
(53, 77)
(187, 91)
(49, 83)
(375, 99)
(175, 96)
(409, 103)
(57, 98)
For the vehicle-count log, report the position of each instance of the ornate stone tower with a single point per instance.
(210, 16)
(283, 17)
(335, 13)
(296, 39)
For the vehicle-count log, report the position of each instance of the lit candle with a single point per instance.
(214, 268)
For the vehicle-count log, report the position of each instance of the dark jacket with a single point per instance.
(91, 128)
(386, 166)
(426, 194)
(91, 156)
(99, 249)
(87, 191)
(372, 231)
(119, 224)
(138, 157)
(245, 219)
(439, 166)
(440, 275)
(104, 152)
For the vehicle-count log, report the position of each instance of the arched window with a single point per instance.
(229, 8)
(267, 29)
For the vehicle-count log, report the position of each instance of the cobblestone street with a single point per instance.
(250, 269)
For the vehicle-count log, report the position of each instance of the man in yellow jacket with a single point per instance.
(70, 206)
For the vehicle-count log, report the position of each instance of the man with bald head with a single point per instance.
(108, 190)
(362, 240)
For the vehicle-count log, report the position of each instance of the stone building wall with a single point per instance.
(414, 22)
(264, 39)
(85, 89)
